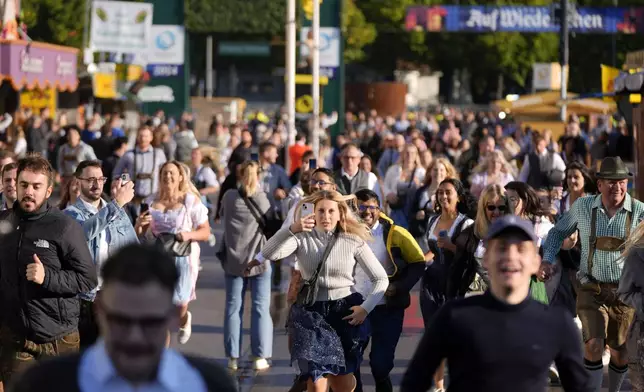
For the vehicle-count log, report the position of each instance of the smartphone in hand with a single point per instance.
(145, 207)
(307, 209)
(125, 178)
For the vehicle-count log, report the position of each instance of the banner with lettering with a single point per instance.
(490, 19)
(38, 65)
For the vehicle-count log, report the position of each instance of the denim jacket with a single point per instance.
(113, 220)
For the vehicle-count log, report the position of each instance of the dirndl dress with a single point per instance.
(324, 343)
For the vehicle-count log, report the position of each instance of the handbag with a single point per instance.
(268, 226)
(538, 291)
(309, 291)
(169, 242)
(402, 194)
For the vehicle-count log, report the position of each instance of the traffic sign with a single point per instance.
(304, 104)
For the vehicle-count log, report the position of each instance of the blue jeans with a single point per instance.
(261, 323)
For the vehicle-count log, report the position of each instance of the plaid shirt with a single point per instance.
(607, 265)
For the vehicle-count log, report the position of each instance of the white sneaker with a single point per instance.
(232, 363)
(260, 364)
(554, 375)
(186, 331)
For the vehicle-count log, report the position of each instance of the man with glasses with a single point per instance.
(351, 178)
(134, 310)
(107, 229)
(404, 261)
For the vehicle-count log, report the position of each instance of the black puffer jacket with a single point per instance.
(43, 313)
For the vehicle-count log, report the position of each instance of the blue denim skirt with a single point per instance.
(183, 289)
(324, 343)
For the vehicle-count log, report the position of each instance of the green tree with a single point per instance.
(55, 21)
(357, 32)
(265, 17)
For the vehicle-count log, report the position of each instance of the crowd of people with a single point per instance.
(517, 243)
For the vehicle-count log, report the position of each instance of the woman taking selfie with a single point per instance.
(327, 320)
(177, 220)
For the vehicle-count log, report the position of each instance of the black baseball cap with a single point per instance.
(509, 223)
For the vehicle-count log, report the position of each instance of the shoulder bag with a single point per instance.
(309, 291)
(268, 226)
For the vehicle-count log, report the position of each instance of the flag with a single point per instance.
(608, 77)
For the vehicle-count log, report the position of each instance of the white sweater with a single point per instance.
(336, 277)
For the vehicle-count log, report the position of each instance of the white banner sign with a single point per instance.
(120, 27)
(329, 45)
(166, 45)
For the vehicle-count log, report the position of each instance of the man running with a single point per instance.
(502, 340)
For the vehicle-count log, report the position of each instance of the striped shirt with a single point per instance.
(337, 274)
(607, 265)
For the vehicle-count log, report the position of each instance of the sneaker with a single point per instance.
(554, 375)
(232, 364)
(260, 364)
(185, 331)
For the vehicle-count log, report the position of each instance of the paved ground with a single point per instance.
(207, 337)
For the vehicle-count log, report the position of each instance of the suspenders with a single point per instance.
(615, 242)
(154, 167)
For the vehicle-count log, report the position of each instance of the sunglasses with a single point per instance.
(364, 208)
(492, 208)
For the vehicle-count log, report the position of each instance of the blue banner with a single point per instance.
(491, 19)
(164, 70)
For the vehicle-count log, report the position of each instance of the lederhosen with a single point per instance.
(143, 176)
(597, 298)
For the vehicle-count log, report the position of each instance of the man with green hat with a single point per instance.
(604, 222)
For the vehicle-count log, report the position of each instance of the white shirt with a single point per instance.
(96, 373)
(103, 241)
(377, 245)
(205, 174)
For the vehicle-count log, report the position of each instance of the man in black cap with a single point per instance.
(604, 222)
(502, 340)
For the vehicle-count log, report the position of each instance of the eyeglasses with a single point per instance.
(364, 208)
(148, 325)
(493, 208)
(94, 180)
(320, 183)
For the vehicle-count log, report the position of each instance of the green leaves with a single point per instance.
(236, 16)
(357, 32)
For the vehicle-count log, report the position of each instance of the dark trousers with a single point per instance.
(386, 328)
(87, 326)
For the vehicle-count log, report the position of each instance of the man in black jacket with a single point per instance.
(45, 265)
(134, 310)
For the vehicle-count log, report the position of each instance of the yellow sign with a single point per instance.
(104, 85)
(304, 104)
(608, 78)
(37, 100)
(307, 7)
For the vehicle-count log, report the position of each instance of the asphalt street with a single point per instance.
(207, 336)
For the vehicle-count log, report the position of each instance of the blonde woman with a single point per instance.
(176, 215)
(494, 169)
(243, 239)
(468, 275)
(328, 335)
(401, 182)
(425, 197)
(631, 292)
